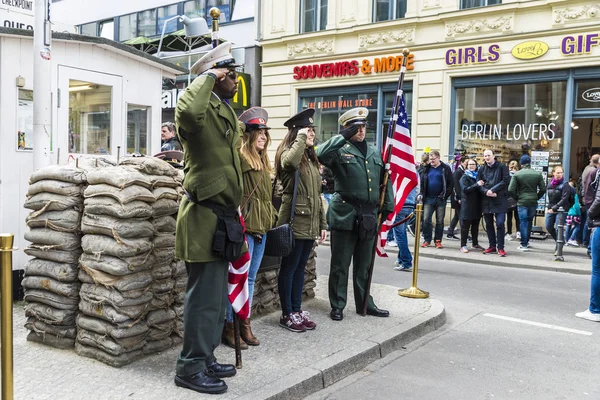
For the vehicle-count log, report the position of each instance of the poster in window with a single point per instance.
(25, 120)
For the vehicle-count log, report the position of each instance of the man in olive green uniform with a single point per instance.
(358, 173)
(208, 130)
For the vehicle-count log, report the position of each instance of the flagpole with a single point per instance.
(386, 175)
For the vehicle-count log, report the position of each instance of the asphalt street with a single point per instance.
(510, 334)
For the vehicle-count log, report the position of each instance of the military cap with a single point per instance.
(219, 57)
(355, 116)
(255, 118)
(301, 120)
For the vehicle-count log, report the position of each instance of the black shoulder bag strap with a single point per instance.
(296, 178)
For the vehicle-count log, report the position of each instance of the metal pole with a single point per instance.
(215, 13)
(6, 300)
(237, 341)
(560, 235)
(414, 292)
(42, 87)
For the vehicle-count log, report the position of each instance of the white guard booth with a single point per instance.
(106, 100)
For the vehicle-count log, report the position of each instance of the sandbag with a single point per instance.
(100, 294)
(110, 206)
(160, 334)
(103, 327)
(164, 207)
(156, 346)
(50, 315)
(164, 240)
(163, 285)
(41, 327)
(60, 221)
(111, 346)
(166, 193)
(121, 316)
(52, 240)
(58, 271)
(158, 317)
(48, 339)
(163, 255)
(43, 202)
(161, 301)
(119, 177)
(123, 196)
(181, 281)
(179, 296)
(64, 173)
(103, 245)
(116, 228)
(113, 361)
(161, 271)
(165, 224)
(164, 181)
(150, 166)
(116, 265)
(70, 290)
(124, 283)
(178, 268)
(56, 187)
(51, 299)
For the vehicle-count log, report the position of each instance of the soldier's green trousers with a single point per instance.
(203, 315)
(345, 247)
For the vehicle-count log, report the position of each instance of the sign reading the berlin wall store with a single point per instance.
(529, 50)
(17, 13)
(353, 67)
(508, 131)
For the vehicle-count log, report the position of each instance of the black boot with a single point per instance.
(201, 382)
(221, 370)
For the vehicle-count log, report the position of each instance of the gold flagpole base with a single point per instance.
(413, 293)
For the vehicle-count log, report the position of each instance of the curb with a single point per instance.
(324, 373)
(499, 263)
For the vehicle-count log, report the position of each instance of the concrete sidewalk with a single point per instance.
(539, 257)
(285, 366)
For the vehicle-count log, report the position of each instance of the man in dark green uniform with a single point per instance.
(352, 216)
(208, 130)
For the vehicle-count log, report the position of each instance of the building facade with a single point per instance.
(514, 76)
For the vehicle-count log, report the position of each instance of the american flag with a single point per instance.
(402, 172)
(239, 295)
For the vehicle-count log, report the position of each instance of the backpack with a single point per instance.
(572, 193)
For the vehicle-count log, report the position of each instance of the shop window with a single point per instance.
(147, 23)
(224, 6)
(511, 120)
(194, 8)
(89, 118)
(478, 3)
(127, 27)
(106, 29)
(138, 118)
(313, 15)
(25, 120)
(164, 13)
(386, 10)
(389, 104)
(588, 95)
(90, 29)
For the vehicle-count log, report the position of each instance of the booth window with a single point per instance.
(25, 120)
(89, 118)
(313, 15)
(106, 29)
(127, 27)
(194, 9)
(90, 29)
(137, 128)
(165, 13)
(147, 23)
(511, 120)
(386, 10)
(224, 6)
(478, 3)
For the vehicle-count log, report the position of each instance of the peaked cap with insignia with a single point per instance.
(255, 118)
(303, 119)
(355, 116)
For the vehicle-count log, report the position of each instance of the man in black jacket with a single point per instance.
(493, 179)
(436, 187)
(168, 138)
(456, 195)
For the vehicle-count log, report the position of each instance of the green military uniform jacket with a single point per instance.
(259, 213)
(309, 219)
(357, 179)
(209, 132)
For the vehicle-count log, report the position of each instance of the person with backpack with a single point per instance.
(560, 194)
(573, 221)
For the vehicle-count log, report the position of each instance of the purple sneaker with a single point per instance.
(308, 324)
(292, 322)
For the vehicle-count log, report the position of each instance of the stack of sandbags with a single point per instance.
(50, 283)
(266, 293)
(310, 275)
(116, 265)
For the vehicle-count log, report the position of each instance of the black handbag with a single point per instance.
(280, 240)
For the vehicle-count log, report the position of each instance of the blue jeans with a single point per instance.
(595, 291)
(291, 276)
(430, 205)
(256, 251)
(586, 234)
(404, 256)
(327, 197)
(526, 214)
(572, 232)
(495, 235)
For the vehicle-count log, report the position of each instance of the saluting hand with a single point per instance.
(349, 131)
(323, 236)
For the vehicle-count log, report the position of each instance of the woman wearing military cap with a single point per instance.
(296, 157)
(257, 208)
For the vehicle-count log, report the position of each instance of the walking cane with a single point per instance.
(215, 13)
(386, 176)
